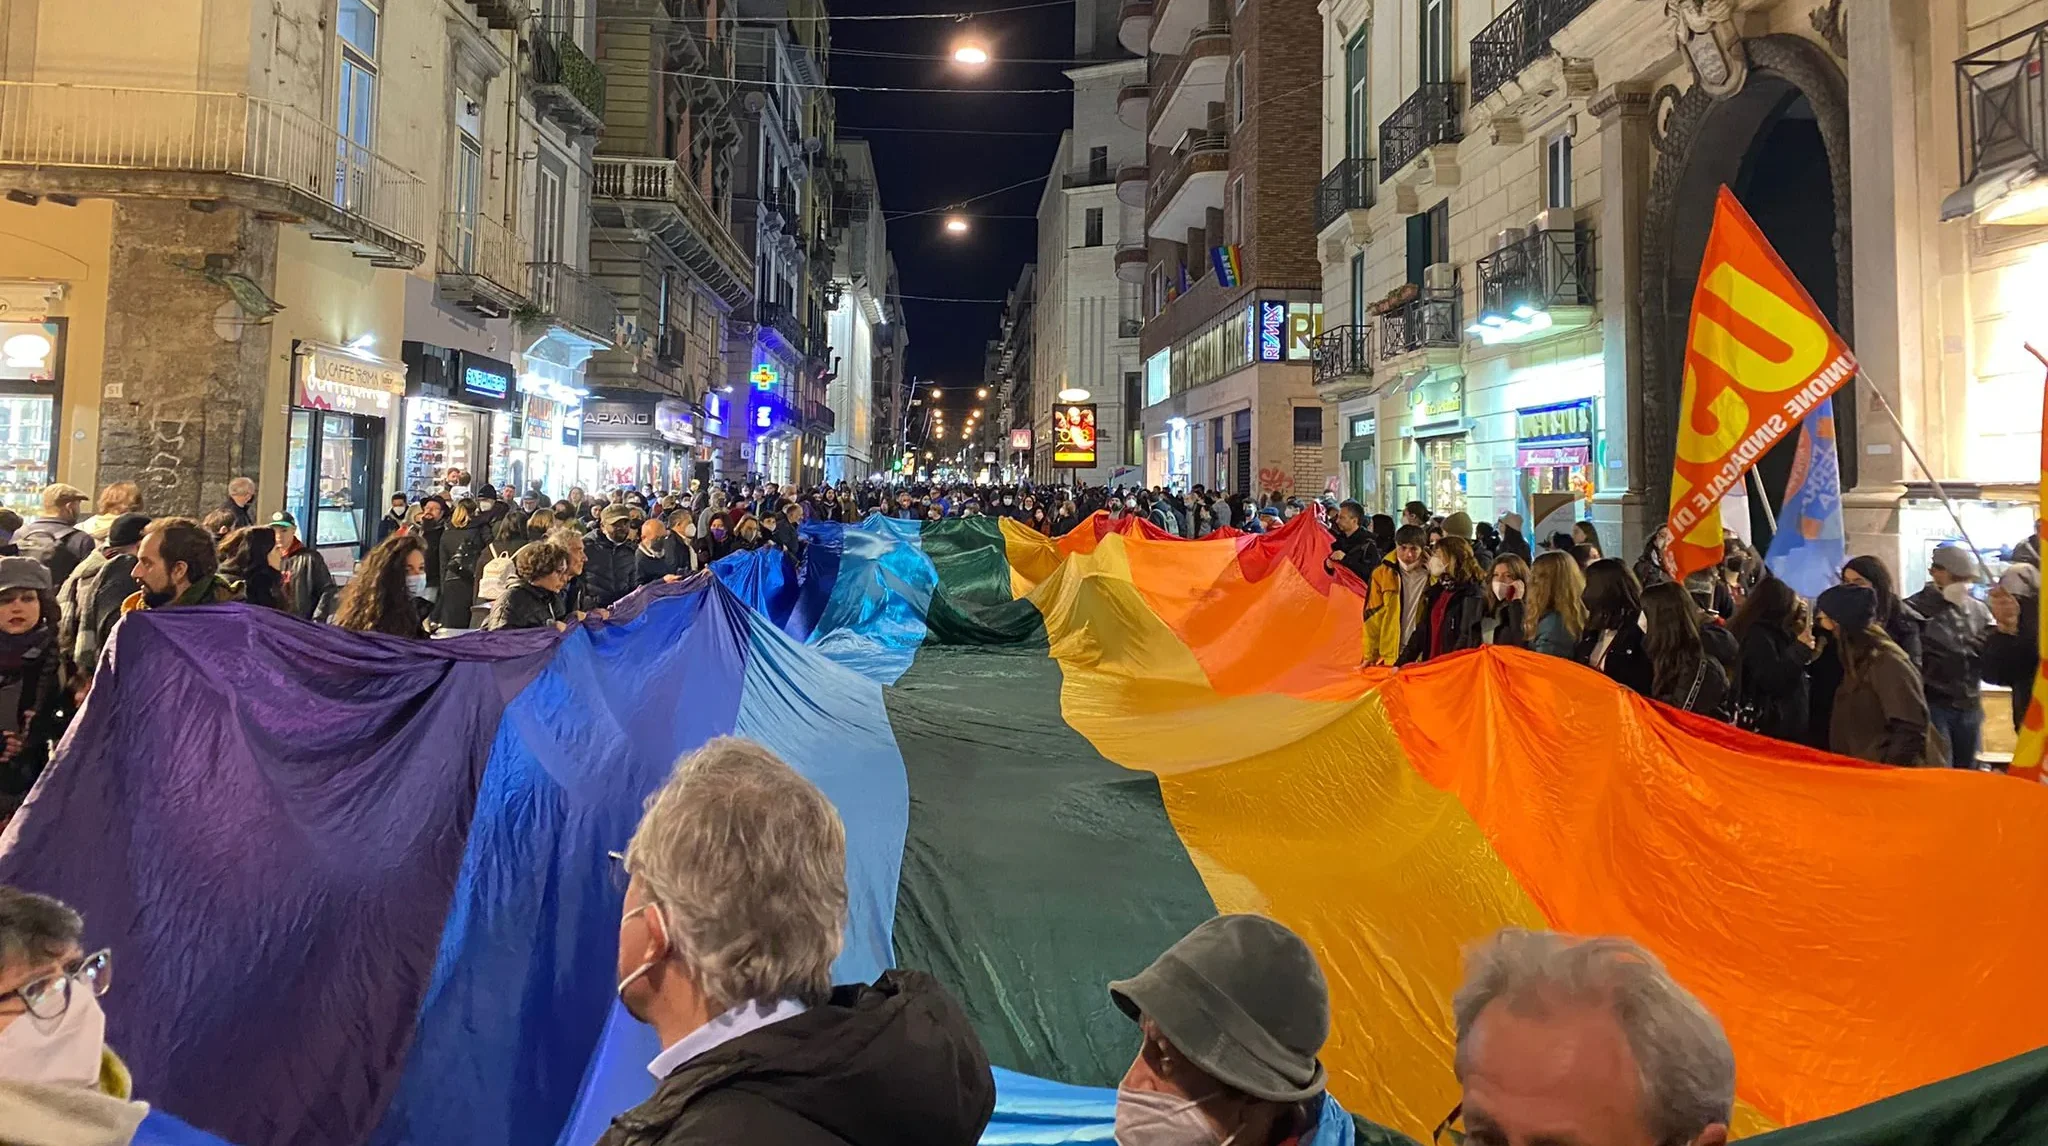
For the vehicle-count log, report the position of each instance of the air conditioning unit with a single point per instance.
(1502, 240)
(1544, 221)
(1440, 276)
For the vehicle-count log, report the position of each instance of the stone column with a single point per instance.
(1887, 217)
(1627, 156)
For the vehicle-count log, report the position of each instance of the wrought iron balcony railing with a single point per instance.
(562, 69)
(784, 322)
(1429, 320)
(2002, 103)
(574, 300)
(1342, 352)
(1348, 187)
(1517, 38)
(1428, 117)
(152, 131)
(1543, 270)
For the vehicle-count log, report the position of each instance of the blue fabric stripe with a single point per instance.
(873, 620)
(525, 969)
(830, 724)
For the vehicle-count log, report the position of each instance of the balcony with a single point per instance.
(1518, 37)
(819, 418)
(1343, 354)
(2002, 114)
(1540, 283)
(1094, 175)
(1134, 27)
(1427, 118)
(1195, 82)
(482, 265)
(501, 14)
(1134, 105)
(1348, 187)
(654, 194)
(1419, 319)
(568, 86)
(1131, 182)
(670, 346)
(783, 321)
(1173, 21)
(1131, 260)
(209, 147)
(572, 301)
(1192, 185)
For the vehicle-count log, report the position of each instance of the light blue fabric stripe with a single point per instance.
(1033, 1111)
(873, 622)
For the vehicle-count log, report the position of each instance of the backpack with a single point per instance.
(495, 576)
(47, 546)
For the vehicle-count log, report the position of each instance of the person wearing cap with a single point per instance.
(90, 601)
(53, 537)
(308, 583)
(1880, 712)
(34, 707)
(611, 558)
(1233, 1018)
(1951, 649)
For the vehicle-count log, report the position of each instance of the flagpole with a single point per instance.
(1756, 482)
(1946, 502)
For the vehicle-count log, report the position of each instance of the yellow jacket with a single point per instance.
(1383, 614)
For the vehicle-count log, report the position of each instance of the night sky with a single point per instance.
(920, 171)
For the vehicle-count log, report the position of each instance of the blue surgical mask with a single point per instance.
(416, 584)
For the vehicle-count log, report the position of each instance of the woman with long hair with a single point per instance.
(1555, 613)
(1587, 534)
(1682, 675)
(1880, 712)
(1612, 640)
(1383, 533)
(538, 524)
(249, 555)
(1900, 621)
(387, 593)
(462, 553)
(1770, 672)
(1453, 612)
(1507, 593)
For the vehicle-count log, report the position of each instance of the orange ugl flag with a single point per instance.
(2027, 755)
(1758, 358)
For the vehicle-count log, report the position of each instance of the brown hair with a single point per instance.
(1464, 567)
(1673, 639)
(1556, 586)
(181, 540)
(120, 497)
(375, 599)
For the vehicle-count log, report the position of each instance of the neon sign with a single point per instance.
(764, 377)
(1272, 330)
(762, 417)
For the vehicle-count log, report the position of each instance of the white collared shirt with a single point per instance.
(743, 1019)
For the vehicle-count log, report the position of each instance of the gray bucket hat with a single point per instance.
(1242, 998)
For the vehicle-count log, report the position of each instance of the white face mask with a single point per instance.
(416, 584)
(1956, 592)
(1438, 566)
(64, 1051)
(1506, 590)
(1149, 1118)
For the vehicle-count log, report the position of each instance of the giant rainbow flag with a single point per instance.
(357, 890)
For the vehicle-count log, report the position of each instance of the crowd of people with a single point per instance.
(734, 897)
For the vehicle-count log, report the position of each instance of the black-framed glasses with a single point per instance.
(1447, 1132)
(50, 996)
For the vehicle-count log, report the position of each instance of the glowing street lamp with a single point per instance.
(956, 225)
(981, 393)
(970, 53)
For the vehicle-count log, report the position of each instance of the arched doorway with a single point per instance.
(1782, 145)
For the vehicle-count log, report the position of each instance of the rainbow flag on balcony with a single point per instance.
(1228, 260)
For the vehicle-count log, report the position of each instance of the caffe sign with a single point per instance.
(345, 383)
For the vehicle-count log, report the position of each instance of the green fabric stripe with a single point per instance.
(1035, 870)
(2004, 1104)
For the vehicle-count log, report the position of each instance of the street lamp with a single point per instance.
(956, 225)
(981, 393)
(970, 53)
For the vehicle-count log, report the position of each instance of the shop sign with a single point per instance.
(346, 384)
(1544, 457)
(540, 418)
(764, 376)
(1020, 438)
(1304, 326)
(1564, 422)
(571, 425)
(1364, 427)
(30, 351)
(673, 422)
(608, 418)
(1437, 399)
(715, 406)
(1272, 330)
(483, 381)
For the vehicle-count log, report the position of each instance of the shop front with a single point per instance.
(343, 404)
(31, 398)
(547, 438)
(1554, 465)
(640, 441)
(1439, 440)
(1359, 455)
(459, 408)
(773, 439)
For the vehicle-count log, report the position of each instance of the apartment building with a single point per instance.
(863, 347)
(1514, 204)
(1012, 378)
(784, 179)
(1091, 263)
(1231, 282)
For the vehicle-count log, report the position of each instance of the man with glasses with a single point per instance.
(1586, 1041)
(55, 1068)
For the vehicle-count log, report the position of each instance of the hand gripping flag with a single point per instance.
(1759, 357)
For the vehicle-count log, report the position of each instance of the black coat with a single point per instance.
(1703, 690)
(34, 705)
(611, 569)
(1771, 683)
(894, 1063)
(2010, 660)
(525, 607)
(1512, 541)
(462, 557)
(430, 536)
(1627, 663)
(1951, 647)
(1463, 627)
(1356, 552)
(650, 568)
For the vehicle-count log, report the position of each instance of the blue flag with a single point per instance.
(1808, 549)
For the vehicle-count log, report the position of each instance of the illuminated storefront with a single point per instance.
(459, 409)
(547, 437)
(1436, 423)
(1555, 465)
(343, 404)
(640, 441)
(31, 396)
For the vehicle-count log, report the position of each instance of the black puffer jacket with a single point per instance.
(1951, 647)
(611, 569)
(889, 1064)
(1771, 683)
(525, 607)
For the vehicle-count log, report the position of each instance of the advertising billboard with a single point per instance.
(1073, 435)
(1020, 439)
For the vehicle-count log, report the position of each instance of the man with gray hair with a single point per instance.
(1587, 1041)
(735, 903)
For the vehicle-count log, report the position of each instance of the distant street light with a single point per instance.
(981, 393)
(956, 225)
(970, 53)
